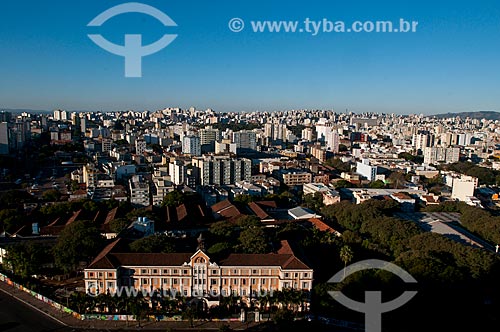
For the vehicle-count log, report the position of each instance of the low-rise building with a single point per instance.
(195, 274)
(294, 177)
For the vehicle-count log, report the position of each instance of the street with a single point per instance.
(17, 316)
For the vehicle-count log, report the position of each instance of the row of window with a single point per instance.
(111, 285)
(186, 272)
(101, 274)
(225, 282)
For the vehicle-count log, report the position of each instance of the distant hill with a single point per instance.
(488, 115)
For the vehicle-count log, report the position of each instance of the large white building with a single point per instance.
(463, 187)
(423, 140)
(225, 147)
(177, 171)
(307, 134)
(332, 140)
(364, 168)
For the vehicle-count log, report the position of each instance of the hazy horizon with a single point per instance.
(449, 64)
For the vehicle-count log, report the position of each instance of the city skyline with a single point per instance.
(448, 65)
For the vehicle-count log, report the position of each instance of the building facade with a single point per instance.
(433, 155)
(139, 191)
(364, 168)
(191, 145)
(222, 170)
(196, 275)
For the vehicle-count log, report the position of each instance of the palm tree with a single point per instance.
(346, 255)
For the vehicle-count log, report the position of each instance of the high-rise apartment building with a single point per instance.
(245, 139)
(222, 170)
(191, 145)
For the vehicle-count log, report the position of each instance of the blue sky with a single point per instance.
(450, 64)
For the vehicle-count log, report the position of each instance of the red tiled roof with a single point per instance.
(111, 215)
(231, 212)
(257, 210)
(55, 222)
(182, 212)
(267, 204)
(226, 209)
(152, 259)
(74, 217)
(52, 230)
(321, 225)
(287, 261)
(285, 248)
(221, 205)
(293, 263)
(103, 261)
(108, 260)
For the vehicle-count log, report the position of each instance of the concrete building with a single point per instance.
(463, 187)
(245, 139)
(332, 140)
(364, 168)
(318, 152)
(433, 155)
(294, 177)
(308, 134)
(140, 146)
(191, 145)
(177, 172)
(225, 147)
(423, 140)
(139, 191)
(330, 196)
(209, 136)
(161, 187)
(106, 145)
(4, 138)
(90, 173)
(222, 170)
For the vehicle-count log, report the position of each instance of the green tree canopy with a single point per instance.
(245, 222)
(51, 195)
(26, 259)
(119, 224)
(253, 241)
(220, 248)
(79, 241)
(222, 229)
(174, 198)
(153, 243)
(11, 220)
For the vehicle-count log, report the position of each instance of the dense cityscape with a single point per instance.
(249, 166)
(205, 216)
